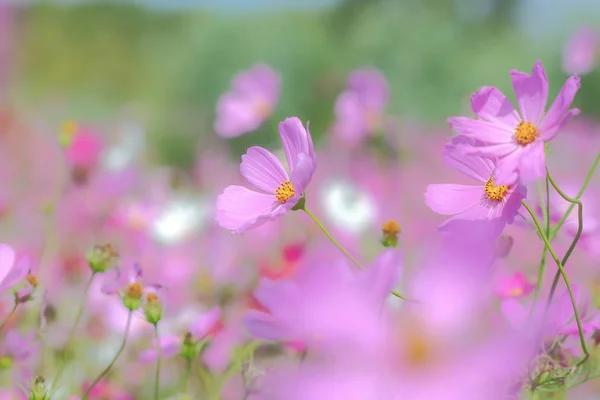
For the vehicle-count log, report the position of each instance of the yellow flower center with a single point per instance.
(526, 133)
(285, 191)
(152, 298)
(493, 192)
(517, 291)
(33, 280)
(134, 290)
(391, 227)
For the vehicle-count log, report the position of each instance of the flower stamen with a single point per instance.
(526, 133)
(285, 191)
(493, 192)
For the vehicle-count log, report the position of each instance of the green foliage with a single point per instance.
(97, 58)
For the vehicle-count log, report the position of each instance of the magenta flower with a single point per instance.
(483, 201)
(12, 271)
(516, 139)
(253, 96)
(515, 286)
(18, 347)
(359, 110)
(579, 55)
(170, 346)
(275, 191)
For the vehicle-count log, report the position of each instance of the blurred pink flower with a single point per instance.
(170, 346)
(579, 54)
(253, 96)
(13, 269)
(485, 201)
(241, 209)
(84, 149)
(359, 110)
(324, 303)
(517, 140)
(515, 286)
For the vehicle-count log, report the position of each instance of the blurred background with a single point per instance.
(164, 63)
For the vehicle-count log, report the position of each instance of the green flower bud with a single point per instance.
(132, 299)
(6, 362)
(102, 258)
(38, 391)
(153, 309)
(391, 230)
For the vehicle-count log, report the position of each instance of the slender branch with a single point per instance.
(575, 239)
(579, 194)
(9, 315)
(335, 242)
(546, 211)
(565, 278)
(107, 369)
(74, 328)
(157, 376)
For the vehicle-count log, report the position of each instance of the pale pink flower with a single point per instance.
(275, 191)
(579, 54)
(517, 139)
(250, 102)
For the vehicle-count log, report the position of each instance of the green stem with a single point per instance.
(74, 328)
(542, 266)
(107, 369)
(335, 242)
(565, 278)
(186, 377)
(157, 376)
(339, 246)
(575, 239)
(579, 194)
(80, 311)
(9, 315)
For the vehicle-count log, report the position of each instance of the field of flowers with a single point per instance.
(267, 231)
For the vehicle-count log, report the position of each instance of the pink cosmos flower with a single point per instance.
(325, 303)
(486, 200)
(12, 270)
(517, 139)
(359, 110)
(253, 96)
(515, 286)
(275, 191)
(18, 347)
(84, 149)
(170, 346)
(579, 55)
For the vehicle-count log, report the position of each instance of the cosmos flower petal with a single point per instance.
(240, 209)
(486, 132)
(16, 274)
(456, 155)
(7, 260)
(303, 172)
(532, 162)
(491, 105)
(262, 169)
(531, 92)
(557, 112)
(295, 140)
(264, 326)
(449, 199)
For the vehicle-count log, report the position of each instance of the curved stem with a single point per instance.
(542, 266)
(565, 278)
(575, 239)
(107, 369)
(80, 311)
(186, 376)
(579, 194)
(9, 315)
(74, 328)
(335, 242)
(157, 376)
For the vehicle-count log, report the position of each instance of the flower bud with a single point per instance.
(5, 362)
(189, 348)
(67, 133)
(503, 245)
(38, 391)
(391, 229)
(102, 258)
(132, 298)
(153, 309)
